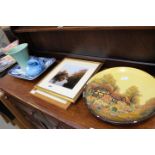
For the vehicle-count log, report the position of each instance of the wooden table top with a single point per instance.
(77, 115)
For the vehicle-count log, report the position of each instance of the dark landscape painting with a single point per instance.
(69, 76)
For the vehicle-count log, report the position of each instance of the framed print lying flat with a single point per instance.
(68, 78)
(50, 98)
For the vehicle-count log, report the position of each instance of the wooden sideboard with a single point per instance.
(61, 42)
(41, 114)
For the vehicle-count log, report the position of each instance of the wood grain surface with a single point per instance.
(127, 43)
(77, 115)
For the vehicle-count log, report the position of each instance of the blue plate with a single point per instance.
(18, 73)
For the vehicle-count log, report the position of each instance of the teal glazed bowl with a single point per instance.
(20, 54)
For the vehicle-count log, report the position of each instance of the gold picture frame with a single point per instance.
(61, 103)
(68, 78)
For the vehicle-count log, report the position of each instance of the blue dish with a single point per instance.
(18, 73)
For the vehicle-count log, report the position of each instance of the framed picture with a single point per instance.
(64, 104)
(68, 78)
(6, 62)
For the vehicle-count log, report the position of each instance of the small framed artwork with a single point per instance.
(68, 78)
(6, 62)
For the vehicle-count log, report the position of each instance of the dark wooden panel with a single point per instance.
(128, 44)
(23, 29)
